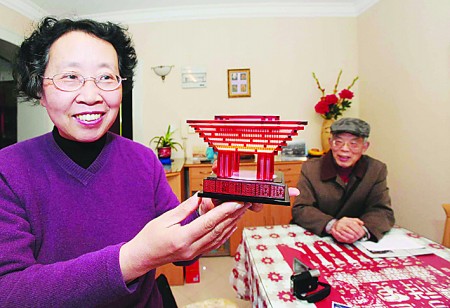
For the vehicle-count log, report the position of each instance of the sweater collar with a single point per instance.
(84, 175)
(329, 168)
(82, 153)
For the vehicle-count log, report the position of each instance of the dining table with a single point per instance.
(264, 265)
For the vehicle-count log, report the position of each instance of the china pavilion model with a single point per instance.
(234, 135)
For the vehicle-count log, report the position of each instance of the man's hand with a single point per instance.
(348, 230)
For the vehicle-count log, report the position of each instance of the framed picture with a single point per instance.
(239, 83)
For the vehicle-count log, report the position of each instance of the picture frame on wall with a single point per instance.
(239, 83)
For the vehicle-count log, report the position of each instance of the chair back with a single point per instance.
(446, 237)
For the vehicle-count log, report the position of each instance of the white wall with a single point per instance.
(399, 48)
(280, 52)
(404, 52)
(31, 120)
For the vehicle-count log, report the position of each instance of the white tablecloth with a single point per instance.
(264, 266)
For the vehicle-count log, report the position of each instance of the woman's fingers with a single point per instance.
(178, 214)
(211, 231)
(217, 237)
(293, 192)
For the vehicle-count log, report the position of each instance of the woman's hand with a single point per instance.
(164, 240)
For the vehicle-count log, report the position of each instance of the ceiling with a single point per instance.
(158, 10)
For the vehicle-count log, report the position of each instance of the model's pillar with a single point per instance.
(226, 161)
(236, 161)
(265, 166)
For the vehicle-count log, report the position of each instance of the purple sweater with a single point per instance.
(61, 226)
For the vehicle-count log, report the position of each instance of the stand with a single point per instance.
(231, 136)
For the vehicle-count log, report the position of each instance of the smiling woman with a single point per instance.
(82, 110)
(87, 215)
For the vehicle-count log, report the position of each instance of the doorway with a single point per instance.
(8, 95)
(8, 114)
(124, 122)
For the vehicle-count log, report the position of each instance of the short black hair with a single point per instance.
(33, 54)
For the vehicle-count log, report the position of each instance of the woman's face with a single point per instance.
(86, 114)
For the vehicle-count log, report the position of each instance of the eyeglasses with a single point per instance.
(73, 81)
(353, 145)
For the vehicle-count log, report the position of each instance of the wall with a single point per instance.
(404, 52)
(13, 26)
(399, 48)
(281, 53)
(31, 120)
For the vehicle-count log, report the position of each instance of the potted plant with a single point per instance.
(165, 143)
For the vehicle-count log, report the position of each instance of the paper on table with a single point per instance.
(393, 242)
(393, 245)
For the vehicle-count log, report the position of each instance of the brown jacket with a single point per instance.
(324, 196)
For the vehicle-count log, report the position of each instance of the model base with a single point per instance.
(268, 192)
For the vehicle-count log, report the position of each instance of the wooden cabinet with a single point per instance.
(176, 182)
(174, 274)
(175, 177)
(195, 175)
(280, 215)
(270, 215)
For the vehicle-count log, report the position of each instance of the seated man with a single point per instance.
(344, 193)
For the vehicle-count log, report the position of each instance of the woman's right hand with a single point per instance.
(164, 240)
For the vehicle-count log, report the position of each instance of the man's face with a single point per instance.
(86, 114)
(347, 149)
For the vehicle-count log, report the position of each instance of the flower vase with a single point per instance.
(326, 134)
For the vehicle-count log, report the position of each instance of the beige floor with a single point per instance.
(214, 283)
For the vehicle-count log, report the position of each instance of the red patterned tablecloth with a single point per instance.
(264, 263)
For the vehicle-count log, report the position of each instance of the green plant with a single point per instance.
(166, 140)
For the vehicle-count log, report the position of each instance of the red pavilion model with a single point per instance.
(234, 135)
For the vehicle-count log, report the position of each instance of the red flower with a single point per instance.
(436, 246)
(267, 260)
(237, 256)
(286, 296)
(275, 276)
(346, 94)
(322, 107)
(331, 106)
(261, 247)
(331, 99)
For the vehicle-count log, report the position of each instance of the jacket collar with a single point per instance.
(329, 168)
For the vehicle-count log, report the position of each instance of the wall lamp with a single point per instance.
(162, 70)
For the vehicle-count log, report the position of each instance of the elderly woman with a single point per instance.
(86, 215)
